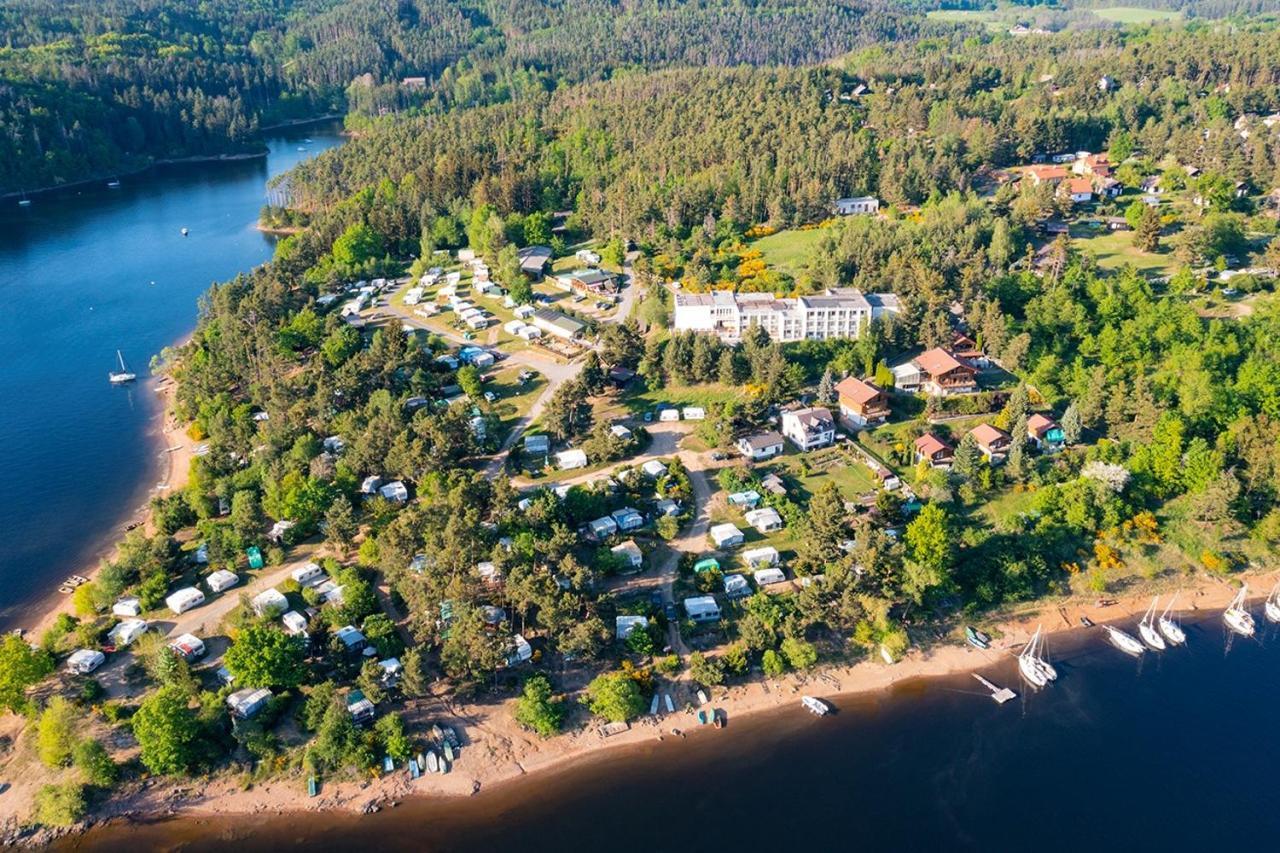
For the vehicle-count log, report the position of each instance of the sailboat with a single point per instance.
(1126, 643)
(1032, 663)
(24, 201)
(1238, 618)
(123, 375)
(113, 184)
(1272, 607)
(1147, 628)
(1172, 630)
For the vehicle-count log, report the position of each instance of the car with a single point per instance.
(578, 297)
(468, 337)
(655, 598)
(670, 610)
(719, 455)
(603, 305)
(489, 396)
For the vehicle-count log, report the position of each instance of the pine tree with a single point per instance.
(729, 372)
(967, 455)
(1071, 425)
(340, 523)
(1146, 234)
(827, 388)
(1017, 459)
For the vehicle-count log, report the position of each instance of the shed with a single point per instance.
(625, 625)
(521, 651)
(392, 669)
(765, 519)
(184, 599)
(85, 661)
(765, 577)
(750, 499)
(269, 602)
(736, 586)
(371, 484)
(667, 506)
(249, 701)
(619, 431)
(489, 573)
(570, 459)
(539, 444)
(766, 556)
(702, 608)
(360, 708)
(295, 624)
(351, 638)
(222, 580)
(627, 518)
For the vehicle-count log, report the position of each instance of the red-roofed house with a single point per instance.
(1079, 190)
(1047, 174)
(944, 374)
(935, 451)
(994, 443)
(861, 403)
(1045, 433)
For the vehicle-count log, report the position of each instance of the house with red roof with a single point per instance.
(861, 403)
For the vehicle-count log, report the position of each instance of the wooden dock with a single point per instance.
(1000, 694)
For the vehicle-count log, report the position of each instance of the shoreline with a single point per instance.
(165, 434)
(497, 753)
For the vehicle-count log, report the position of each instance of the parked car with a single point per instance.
(670, 610)
(489, 396)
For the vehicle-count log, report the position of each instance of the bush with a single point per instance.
(60, 805)
(91, 692)
(799, 653)
(706, 671)
(615, 696)
(668, 664)
(56, 734)
(535, 709)
(773, 665)
(96, 764)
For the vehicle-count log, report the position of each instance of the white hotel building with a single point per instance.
(838, 313)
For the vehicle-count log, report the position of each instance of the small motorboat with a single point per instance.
(113, 185)
(815, 705)
(977, 639)
(885, 654)
(433, 762)
(717, 719)
(702, 697)
(447, 749)
(703, 719)
(185, 232)
(1126, 643)
(1086, 621)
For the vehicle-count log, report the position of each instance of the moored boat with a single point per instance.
(1034, 664)
(1126, 643)
(1237, 616)
(1147, 628)
(1272, 606)
(1169, 627)
(123, 375)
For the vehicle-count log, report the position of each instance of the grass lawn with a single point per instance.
(1114, 249)
(788, 251)
(851, 477)
(515, 398)
(1000, 511)
(1135, 15)
(638, 399)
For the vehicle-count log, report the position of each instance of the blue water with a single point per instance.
(83, 273)
(1173, 752)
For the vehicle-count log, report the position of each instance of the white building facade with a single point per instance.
(837, 313)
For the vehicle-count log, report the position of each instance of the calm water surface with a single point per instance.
(82, 274)
(1174, 752)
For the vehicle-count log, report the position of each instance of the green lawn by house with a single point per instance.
(788, 251)
(515, 398)
(835, 465)
(1114, 249)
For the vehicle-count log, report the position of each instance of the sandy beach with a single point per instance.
(497, 752)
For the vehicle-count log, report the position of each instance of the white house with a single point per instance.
(726, 535)
(269, 602)
(631, 552)
(764, 577)
(765, 519)
(249, 701)
(809, 429)
(836, 313)
(295, 624)
(766, 556)
(764, 445)
(857, 206)
(702, 608)
(85, 661)
(184, 599)
(222, 580)
(624, 625)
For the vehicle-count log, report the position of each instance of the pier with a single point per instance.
(1000, 694)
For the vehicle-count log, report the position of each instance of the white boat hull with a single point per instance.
(1272, 609)
(1151, 636)
(1239, 621)
(1124, 642)
(1031, 672)
(122, 378)
(1174, 634)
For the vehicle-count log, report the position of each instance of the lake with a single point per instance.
(85, 272)
(1173, 751)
